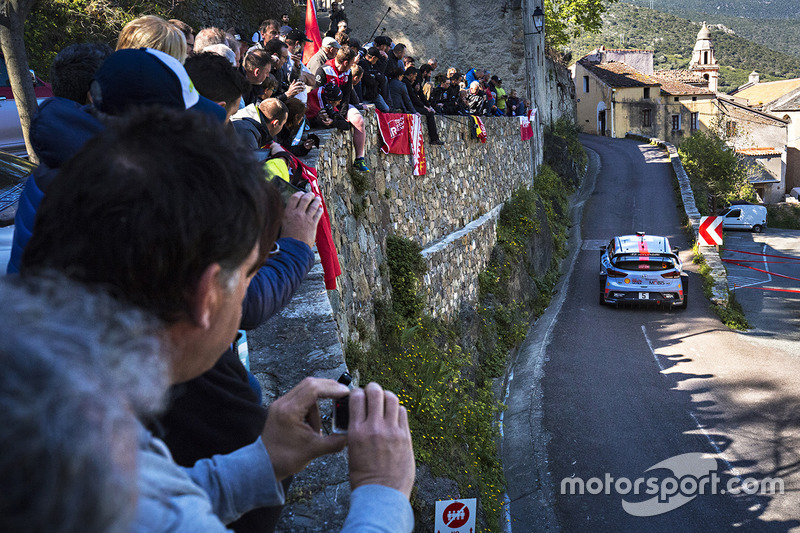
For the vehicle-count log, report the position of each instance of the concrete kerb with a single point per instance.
(719, 289)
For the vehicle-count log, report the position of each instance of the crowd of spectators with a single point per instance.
(151, 188)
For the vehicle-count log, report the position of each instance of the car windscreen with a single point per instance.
(650, 263)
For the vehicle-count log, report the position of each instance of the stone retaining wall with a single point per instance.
(719, 291)
(466, 180)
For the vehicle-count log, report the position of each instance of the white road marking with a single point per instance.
(718, 451)
(739, 282)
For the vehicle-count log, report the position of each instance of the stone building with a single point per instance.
(614, 98)
(703, 62)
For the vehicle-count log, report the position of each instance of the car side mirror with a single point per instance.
(676, 250)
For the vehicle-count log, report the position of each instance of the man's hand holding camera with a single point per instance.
(380, 449)
(300, 219)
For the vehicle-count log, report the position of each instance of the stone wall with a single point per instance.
(450, 212)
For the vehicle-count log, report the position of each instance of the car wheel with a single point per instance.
(758, 228)
(685, 287)
(602, 300)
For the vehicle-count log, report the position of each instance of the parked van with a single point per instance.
(745, 216)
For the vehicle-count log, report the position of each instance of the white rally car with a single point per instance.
(642, 269)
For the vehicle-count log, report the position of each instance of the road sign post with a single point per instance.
(710, 231)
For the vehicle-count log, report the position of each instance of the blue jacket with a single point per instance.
(400, 98)
(58, 131)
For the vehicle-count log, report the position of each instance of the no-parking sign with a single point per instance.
(455, 516)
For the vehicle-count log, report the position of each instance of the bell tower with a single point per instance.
(703, 61)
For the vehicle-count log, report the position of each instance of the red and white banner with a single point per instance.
(478, 129)
(526, 126)
(395, 133)
(417, 146)
(312, 32)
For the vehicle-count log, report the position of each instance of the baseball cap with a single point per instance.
(331, 92)
(144, 76)
(330, 41)
(298, 35)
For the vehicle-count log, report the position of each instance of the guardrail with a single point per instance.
(719, 289)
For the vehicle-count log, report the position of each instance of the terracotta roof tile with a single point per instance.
(758, 151)
(618, 74)
(672, 82)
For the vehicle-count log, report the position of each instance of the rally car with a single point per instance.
(642, 269)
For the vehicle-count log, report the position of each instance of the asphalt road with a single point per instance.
(599, 394)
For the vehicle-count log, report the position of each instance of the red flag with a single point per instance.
(312, 32)
(525, 126)
(395, 134)
(418, 158)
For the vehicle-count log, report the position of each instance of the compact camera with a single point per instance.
(341, 407)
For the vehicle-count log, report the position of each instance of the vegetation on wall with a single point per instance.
(443, 374)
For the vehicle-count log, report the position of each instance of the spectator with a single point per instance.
(502, 98)
(342, 38)
(154, 32)
(73, 69)
(473, 74)
(398, 91)
(443, 99)
(280, 55)
(293, 136)
(337, 70)
(324, 108)
(256, 66)
(285, 26)
(294, 67)
(75, 366)
(327, 52)
(269, 29)
(396, 55)
(424, 82)
(383, 43)
(434, 63)
(409, 61)
(188, 34)
(516, 107)
(337, 15)
(243, 44)
(216, 79)
(127, 79)
(258, 125)
(476, 99)
(223, 51)
(357, 74)
(420, 106)
(195, 282)
(373, 84)
(208, 36)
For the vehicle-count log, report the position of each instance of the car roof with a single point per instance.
(643, 244)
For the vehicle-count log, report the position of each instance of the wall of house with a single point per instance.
(450, 212)
(754, 130)
(792, 150)
(629, 105)
(587, 102)
(763, 170)
(685, 106)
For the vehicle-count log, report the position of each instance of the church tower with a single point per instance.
(703, 61)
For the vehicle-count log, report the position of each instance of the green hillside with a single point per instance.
(672, 39)
(775, 24)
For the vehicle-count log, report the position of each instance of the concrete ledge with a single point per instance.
(719, 290)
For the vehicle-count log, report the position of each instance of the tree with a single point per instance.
(565, 19)
(12, 43)
(714, 169)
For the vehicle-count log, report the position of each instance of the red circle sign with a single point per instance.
(455, 515)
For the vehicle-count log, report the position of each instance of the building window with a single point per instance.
(695, 121)
(694, 98)
(730, 128)
(586, 84)
(647, 92)
(677, 99)
(646, 120)
(676, 123)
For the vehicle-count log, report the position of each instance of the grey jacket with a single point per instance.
(219, 490)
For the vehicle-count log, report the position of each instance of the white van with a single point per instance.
(745, 216)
